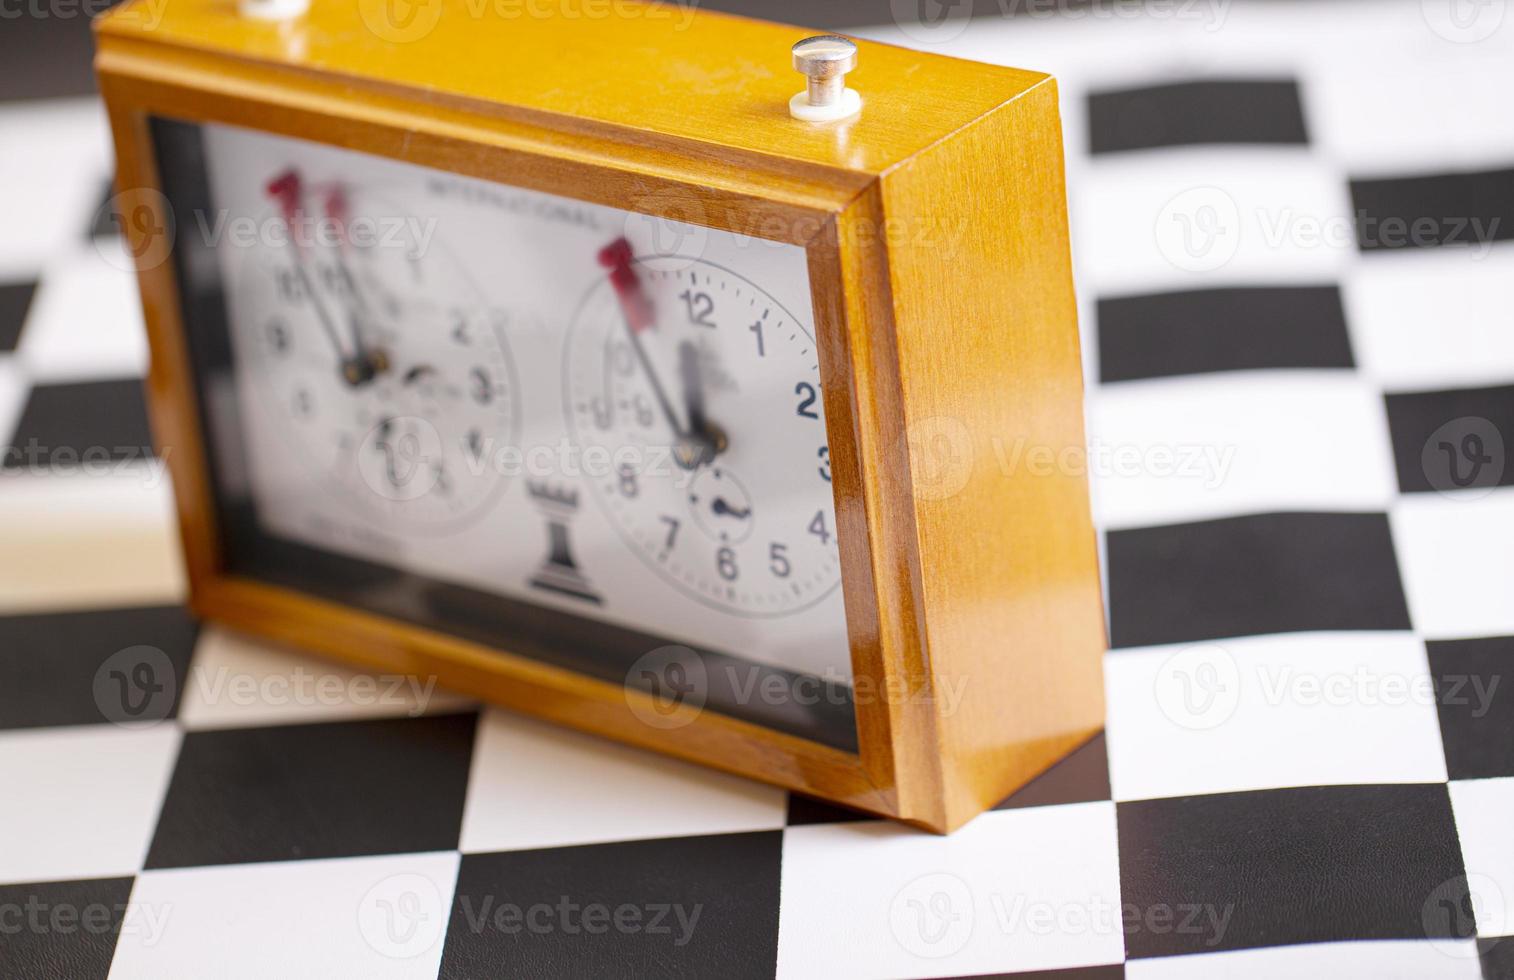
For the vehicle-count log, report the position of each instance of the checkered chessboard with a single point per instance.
(1291, 225)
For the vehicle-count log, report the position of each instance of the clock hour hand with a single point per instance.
(709, 438)
(690, 448)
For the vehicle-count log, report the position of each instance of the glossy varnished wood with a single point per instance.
(689, 80)
(936, 233)
(990, 376)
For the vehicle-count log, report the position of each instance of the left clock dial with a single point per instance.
(393, 373)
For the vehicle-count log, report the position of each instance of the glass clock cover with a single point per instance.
(571, 431)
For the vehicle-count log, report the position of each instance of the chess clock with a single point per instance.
(579, 362)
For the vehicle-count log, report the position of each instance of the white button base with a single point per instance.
(849, 104)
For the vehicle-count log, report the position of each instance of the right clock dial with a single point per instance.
(703, 390)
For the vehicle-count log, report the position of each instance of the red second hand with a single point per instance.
(634, 303)
(337, 212)
(697, 442)
(287, 190)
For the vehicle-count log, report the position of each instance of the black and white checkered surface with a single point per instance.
(1309, 760)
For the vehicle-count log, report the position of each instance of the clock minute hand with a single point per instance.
(636, 311)
(287, 190)
(663, 402)
(338, 213)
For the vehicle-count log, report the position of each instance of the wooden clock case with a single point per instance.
(935, 228)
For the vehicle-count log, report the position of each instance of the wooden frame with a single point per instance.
(988, 582)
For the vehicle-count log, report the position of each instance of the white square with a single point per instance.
(371, 917)
(1211, 217)
(236, 680)
(71, 539)
(1296, 709)
(1426, 319)
(1186, 449)
(1417, 113)
(86, 318)
(1014, 890)
(81, 802)
(56, 161)
(1378, 960)
(534, 785)
(1482, 808)
(1456, 562)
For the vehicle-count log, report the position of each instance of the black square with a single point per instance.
(1081, 777)
(1497, 957)
(805, 810)
(61, 928)
(683, 906)
(91, 422)
(1467, 209)
(1264, 573)
(83, 668)
(1278, 867)
(1241, 110)
(337, 789)
(1235, 328)
(1455, 439)
(105, 223)
(1474, 695)
(47, 54)
(15, 300)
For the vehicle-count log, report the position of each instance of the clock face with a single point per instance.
(585, 409)
(386, 366)
(738, 516)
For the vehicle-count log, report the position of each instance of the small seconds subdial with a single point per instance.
(694, 397)
(393, 377)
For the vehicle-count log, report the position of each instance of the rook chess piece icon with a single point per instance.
(559, 573)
